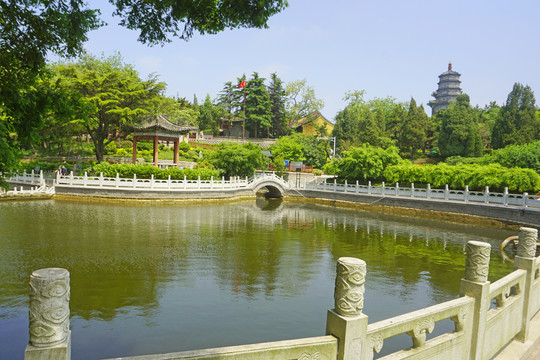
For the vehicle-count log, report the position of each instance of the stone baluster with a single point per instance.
(50, 337)
(525, 260)
(346, 321)
(475, 285)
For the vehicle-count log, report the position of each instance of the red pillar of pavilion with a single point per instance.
(176, 149)
(134, 150)
(156, 148)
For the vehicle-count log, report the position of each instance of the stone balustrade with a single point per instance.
(486, 317)
(466, 196)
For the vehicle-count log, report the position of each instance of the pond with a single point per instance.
(155, 279)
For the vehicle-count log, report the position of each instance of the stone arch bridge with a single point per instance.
(276, 186)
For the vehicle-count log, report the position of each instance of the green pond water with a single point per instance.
(155, 279)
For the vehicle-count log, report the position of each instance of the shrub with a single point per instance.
(184, 147)
(126, 144)
(144, 146)
(366, 162)
(477, 177)
(110, 148)
(146, 172)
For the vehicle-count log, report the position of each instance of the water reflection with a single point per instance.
(217, 275)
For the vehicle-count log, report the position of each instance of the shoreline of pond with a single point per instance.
(428, 214)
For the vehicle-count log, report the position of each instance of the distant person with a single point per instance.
(64, 170)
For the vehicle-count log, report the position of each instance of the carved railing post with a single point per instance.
(50, 337)
(475, 285)
(525, 260)
(346, 321)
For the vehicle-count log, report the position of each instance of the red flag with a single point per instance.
(242, 84)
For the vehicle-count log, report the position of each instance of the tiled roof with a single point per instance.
(161, 122)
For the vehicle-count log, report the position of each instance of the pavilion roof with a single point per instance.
(161, 124)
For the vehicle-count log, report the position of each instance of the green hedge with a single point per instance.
(495, 176)
(146, 172)
(522, 156)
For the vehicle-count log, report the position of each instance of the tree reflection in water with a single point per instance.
(154, 279)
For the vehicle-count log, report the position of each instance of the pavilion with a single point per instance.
(160, 128)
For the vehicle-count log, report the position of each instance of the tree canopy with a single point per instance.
(113, 96)
(459, 129)
(516, 122)
(157, 21)
(31, 29)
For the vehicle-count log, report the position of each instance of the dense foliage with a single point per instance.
(522, 156)
(159, 20)
(113, 96)
(477, 177)
(30, 30)
(238, 160)
(383, 122)
(459, 134)
(517, 122)
(364, 163)
(300, 147)
(146, 172)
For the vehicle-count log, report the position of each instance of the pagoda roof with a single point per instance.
(450, 72)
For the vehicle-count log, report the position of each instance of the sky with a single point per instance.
(389, 48)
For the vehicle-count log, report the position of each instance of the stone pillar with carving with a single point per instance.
(476, 285)
(50, 337)
(346, 321)
(477, 263)
(525, 260)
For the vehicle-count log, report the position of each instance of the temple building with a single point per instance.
(449, 89)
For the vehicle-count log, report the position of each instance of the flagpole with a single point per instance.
(244, 122)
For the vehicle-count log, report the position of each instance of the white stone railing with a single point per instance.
(31, 178)
(486, 317)
(167, 184)
(446, 194)
(152, 183)
(31, 190)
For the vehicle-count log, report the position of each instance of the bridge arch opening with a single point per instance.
(270, 191)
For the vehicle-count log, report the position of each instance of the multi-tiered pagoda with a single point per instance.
(449, 89)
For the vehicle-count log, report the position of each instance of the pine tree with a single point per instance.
(516, 123)
(459, 130)
(414, 133)
(258, 114)
(209, 116)
(277, 101)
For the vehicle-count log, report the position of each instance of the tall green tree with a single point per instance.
(358, 124)
(258, 107)
(517, 122)
(114, 96)
(30, 29)
(277, 103)
(301, 100)
(395, 121)
(459, 130)
(415, 128)
(486, 122)
(210, 116)
(301, 147)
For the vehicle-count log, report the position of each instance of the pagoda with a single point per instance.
(449, 89)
